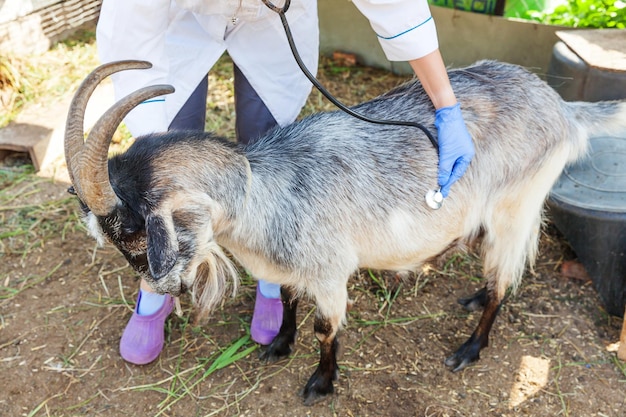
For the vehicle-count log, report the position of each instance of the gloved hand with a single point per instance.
(456, 148)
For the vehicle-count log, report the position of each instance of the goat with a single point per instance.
(308, 204)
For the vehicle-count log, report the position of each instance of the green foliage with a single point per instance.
(518, 8)
(598, 14)
(583, 14)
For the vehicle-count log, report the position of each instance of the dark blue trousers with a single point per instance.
(252, 120)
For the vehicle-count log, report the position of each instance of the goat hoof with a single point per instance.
(317, 388)
(280, 347)
(467, 354)
(458, 364)
(476, 301)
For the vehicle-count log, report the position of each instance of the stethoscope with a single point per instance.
(433, 198)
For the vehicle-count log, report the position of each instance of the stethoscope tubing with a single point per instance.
(281, 12)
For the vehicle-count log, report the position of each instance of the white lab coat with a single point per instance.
(184, 38)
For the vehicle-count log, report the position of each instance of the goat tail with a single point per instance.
(213, 276)
(587, 119)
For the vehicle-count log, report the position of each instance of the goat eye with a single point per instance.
(132, 227)
(83, 207)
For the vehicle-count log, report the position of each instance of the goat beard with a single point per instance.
(213, 276)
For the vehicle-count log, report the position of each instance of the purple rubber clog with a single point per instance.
(143, 337)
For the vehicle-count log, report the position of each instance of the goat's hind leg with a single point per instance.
(506, 247)
(470, 350)
(476, 301)
(282, 345)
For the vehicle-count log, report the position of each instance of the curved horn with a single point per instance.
(93, 175)
(74, 129)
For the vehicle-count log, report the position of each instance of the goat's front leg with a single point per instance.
(470, 350)
(282, 345)
(320, 383)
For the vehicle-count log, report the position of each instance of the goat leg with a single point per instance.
(320, 383)
(282, 345)
(470, 350)
(476, 301)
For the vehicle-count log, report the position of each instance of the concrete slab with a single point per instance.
(599, 48)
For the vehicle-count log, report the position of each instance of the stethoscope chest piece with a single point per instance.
(434, 199)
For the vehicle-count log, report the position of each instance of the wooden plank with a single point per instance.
(26, 138)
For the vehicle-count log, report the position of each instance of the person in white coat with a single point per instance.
(184, 38)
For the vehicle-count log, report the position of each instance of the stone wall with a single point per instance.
(31, 26)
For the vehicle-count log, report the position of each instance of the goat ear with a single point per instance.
(162, 247)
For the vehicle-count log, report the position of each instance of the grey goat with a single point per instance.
(310, 203)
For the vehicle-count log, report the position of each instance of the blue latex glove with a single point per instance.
(456, 148)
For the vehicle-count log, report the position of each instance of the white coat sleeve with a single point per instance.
(135, 29)
(405, 28)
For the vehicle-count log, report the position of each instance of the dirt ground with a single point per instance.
(64, 304)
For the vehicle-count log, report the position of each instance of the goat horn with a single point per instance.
(94, 177)
(74, 128)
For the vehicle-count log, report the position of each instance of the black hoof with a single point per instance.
(467, 354)
(317, 388)
(476, 301)
(281, 347)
